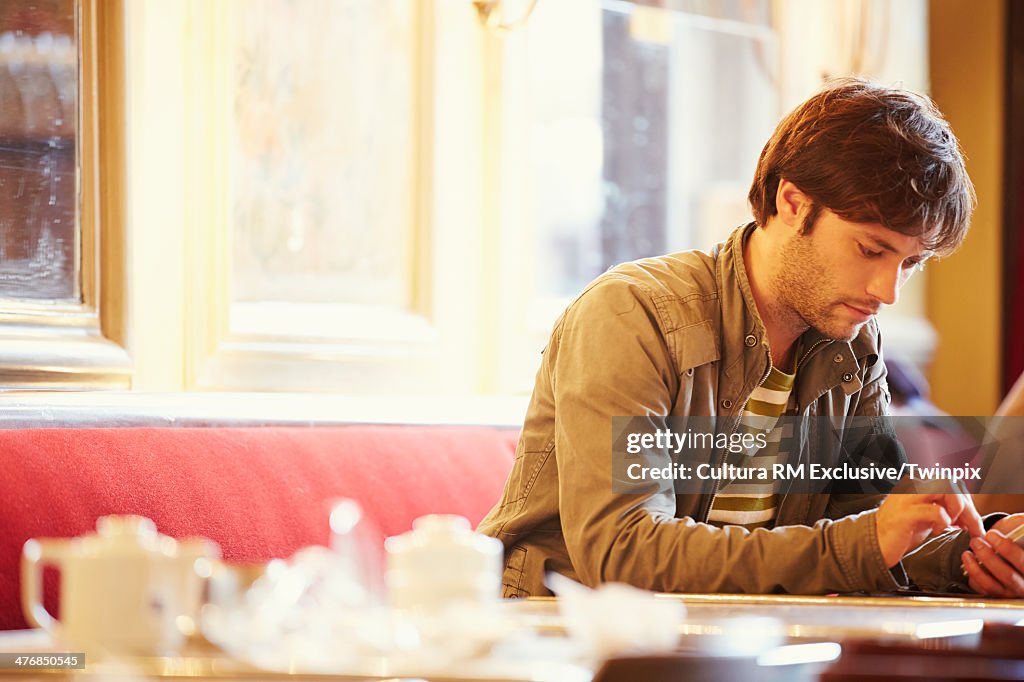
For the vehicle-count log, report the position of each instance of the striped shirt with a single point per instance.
(750, 502)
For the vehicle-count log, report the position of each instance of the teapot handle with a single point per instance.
(34, 555)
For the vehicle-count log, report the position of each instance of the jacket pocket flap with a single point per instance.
(694, 345)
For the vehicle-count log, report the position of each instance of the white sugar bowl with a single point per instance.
(442, 562)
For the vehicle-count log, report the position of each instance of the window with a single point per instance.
(330, 192)
(321, 201)
(399, 202)
(54, 315)
(39, 251)
(642, 127)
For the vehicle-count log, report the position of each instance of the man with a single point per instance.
(855, 190)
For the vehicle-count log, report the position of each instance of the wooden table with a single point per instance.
(917, 621)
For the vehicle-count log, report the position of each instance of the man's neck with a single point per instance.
(781, 324)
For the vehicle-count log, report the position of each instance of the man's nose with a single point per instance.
(884, 286)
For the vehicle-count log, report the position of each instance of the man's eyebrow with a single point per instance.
(886, 246)
(882, 244)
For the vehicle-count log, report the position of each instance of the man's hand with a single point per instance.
(995, 566)
(906, 520)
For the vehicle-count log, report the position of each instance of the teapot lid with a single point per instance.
(128, 524)
(127, 533)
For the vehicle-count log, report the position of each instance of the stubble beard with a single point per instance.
(805, 295)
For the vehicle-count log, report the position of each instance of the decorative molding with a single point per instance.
(67, 358)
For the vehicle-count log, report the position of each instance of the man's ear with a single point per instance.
(791, 203)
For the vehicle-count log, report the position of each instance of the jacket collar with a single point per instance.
(745, 342)
(744, 338)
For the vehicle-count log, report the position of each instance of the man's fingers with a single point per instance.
(933, 516)
(961, 510)
(997, 567)
(905, 521)
(1007, 549)
(979, 579)
(923, 519)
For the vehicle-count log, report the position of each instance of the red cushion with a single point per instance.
(258, 492)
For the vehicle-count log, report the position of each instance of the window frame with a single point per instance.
(61, 345)
(429, 349)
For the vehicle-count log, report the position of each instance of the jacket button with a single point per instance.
(727, 404)
(751, 340)
(847, 377)
(689, 372)
(838, 358)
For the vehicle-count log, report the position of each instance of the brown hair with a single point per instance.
(871, 154)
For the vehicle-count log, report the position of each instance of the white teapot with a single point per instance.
(124, 590)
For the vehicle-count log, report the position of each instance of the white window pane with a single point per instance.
(646, 126)
(322, 151)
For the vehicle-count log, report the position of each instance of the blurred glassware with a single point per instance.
(357, 546)
(320, 608)
(617, 619)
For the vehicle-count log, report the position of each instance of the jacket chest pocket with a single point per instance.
(695, 348)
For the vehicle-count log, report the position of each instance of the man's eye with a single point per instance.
(868, 253)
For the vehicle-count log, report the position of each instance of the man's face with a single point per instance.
(837, 277)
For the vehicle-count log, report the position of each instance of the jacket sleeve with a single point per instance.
(935, 565)
(612, 357)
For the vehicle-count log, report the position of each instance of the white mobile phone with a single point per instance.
(1017, 535)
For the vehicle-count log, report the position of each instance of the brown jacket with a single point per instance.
(679, 335)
